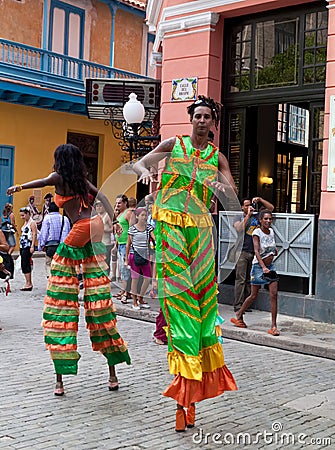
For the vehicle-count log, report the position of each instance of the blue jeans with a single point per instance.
(11, 241)
(256, 274)
(124, 272)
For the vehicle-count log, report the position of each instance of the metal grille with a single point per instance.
(294, 234)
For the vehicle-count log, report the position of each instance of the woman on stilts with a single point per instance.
(82, 247)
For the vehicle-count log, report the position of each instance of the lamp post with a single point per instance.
(134, 135)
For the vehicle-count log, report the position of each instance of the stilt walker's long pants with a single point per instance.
(188, 297)
(82, 248)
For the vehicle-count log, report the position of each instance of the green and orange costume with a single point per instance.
(186, 274)
(82, 247)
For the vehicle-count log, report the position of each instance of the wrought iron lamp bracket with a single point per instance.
(136, 139)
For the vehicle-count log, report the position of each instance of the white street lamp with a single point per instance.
(133, 110)
(135, 136)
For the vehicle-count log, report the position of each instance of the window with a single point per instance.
(315, 47)
(276, 53)
(235, 144)
(286, 50)
(66, 33)
(241, 58)
(292, 124)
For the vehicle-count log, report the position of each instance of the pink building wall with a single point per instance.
(327, 207)
(192, 45)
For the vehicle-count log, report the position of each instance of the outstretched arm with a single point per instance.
(142, 167)
(50, 180)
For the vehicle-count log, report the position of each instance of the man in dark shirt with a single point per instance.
(246, 223)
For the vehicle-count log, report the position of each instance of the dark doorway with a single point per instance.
(282, 142)
(89, 146)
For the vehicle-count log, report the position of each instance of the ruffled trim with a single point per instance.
(213, 384)
(181, 219)
(53, 325)
(61, 303)
(192, 367)
(61, 347)
(80, 253)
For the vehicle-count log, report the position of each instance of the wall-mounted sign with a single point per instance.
(331, 146)
(184, 89)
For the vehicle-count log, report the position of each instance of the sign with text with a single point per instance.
(331, 146)
(184, 89)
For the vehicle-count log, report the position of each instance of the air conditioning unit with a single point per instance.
(103, 93)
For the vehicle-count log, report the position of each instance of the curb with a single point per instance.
(248, 336)
(145, 315)
(280, 342)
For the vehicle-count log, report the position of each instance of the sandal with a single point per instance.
(59, 389)
(119, 294)
(124, 299)
(238, 323)
(30, 288)
(113, 384)
(274, 331)
(142, 303)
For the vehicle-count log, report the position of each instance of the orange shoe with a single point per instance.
(190, 416)
(180, 420)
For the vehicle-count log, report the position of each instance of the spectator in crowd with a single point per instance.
(54, 230)
(108, 229)
(123, 222)
(115, 271)
(159, 335)
(35, 214)
(137, 256)
(263, 271)
(245, 224)
(7, 259)
(8, 226)
(28, 241)
(47, 201)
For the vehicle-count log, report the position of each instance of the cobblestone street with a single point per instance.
(138, 416)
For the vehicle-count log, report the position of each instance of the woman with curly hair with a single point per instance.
(82, 247)
(187, 287)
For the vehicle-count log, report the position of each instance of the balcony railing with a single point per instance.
(53, 70)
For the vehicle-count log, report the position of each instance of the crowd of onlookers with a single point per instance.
(132, 249)
(129, 242)
(41, 230)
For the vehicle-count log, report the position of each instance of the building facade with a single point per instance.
(271, 65)
(48, 48)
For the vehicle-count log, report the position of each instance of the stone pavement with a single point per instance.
(285, 399)
(298, 335)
